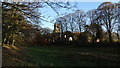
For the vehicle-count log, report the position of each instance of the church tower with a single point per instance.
(56, 28)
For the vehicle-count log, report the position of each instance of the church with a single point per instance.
(56, 28)
(66, 36)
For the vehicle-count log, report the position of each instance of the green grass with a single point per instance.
(69, 56)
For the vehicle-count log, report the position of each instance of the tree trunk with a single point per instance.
(13, 41)
(4, 40)
(118, 36)
(110, 36)
(80, 28)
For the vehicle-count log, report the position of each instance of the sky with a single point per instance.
(49, 14)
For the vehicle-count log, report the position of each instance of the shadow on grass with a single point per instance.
(71, 56)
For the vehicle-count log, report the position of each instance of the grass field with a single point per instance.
(71, 56)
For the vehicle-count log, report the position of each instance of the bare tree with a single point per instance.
(117, 26)
(107, 10)
(72, 21)
(94, 16)
(60, 21)
(56, 5)
(66, 22)
(80, 19)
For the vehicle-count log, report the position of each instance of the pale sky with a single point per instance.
(48, 12)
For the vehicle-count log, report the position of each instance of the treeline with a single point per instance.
(98, 25)
(21, 22)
